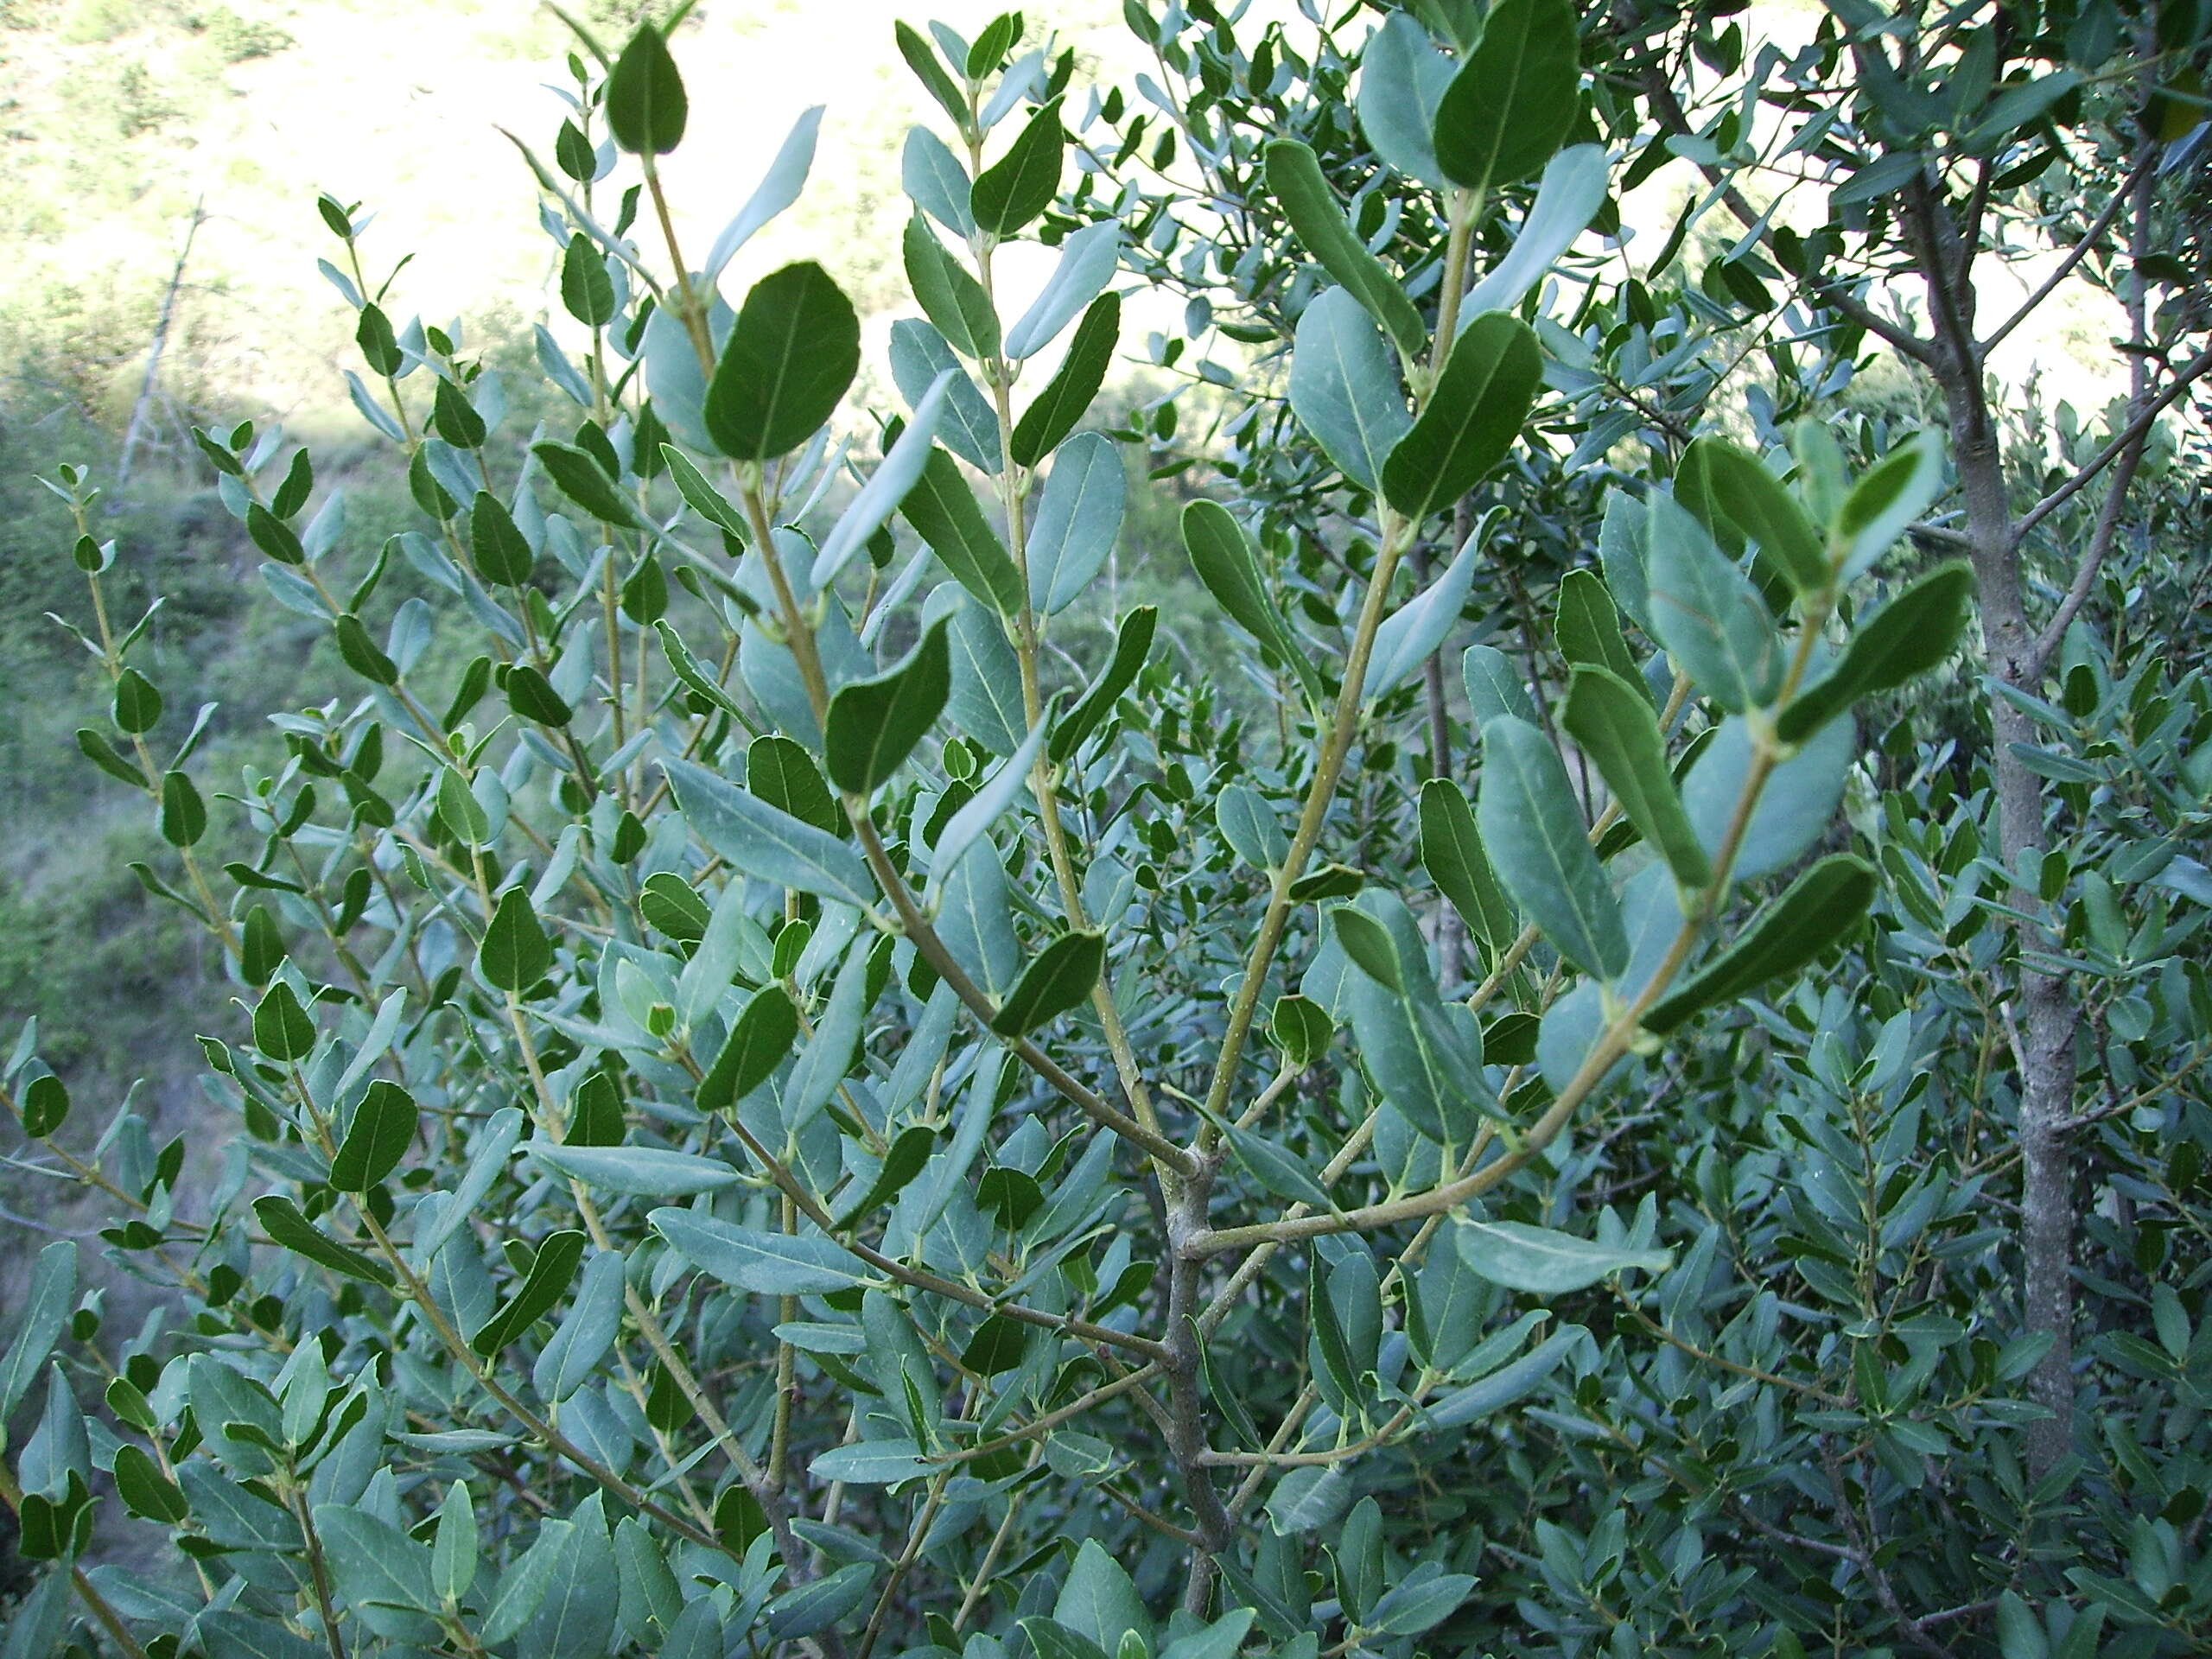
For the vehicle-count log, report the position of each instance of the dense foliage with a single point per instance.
(1592, 1069)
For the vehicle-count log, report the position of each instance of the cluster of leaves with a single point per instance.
(788, 1112)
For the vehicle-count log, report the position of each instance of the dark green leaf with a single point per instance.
(1018, 186)
(1809, 917)
(793, 350)
(1067, 395)
(1911, 634)
(1481, 400)
(1738, 487)
(906, 1158)
(579, 477)
(1708, 615)
(997, 1346)
(1059, 978)
(282, 1220)
(502, 555)
(532, 697)
(1540, 846)
(137, 704)
(184, 815)
(382, 1130)
(645, 105)
(273, 536)
(1222, 555)
(1132, 644)
(586, 288)
(516, 952)
(950, 298)
(872, 724)
(780, 772)
(757, 1042)
(942, 508)
(1301, 1029)
(361, 654)
(1514, 99)
(45, 1105)
(550, 1271)
(1302, 192)
(1588, 629)
(1613, 724)
(282, 1028)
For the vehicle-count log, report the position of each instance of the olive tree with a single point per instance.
(775, 1107)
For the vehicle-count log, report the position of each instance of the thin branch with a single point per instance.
(2192, 372)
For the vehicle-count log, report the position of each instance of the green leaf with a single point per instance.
(1888, 498)
(929, 72)
(1068, 394)
(38, 1320)
(1708, 615)
(871, 1463)
(1514, 99)
(1277, 1169)
(572, 1353)
(282, 1220)
(701, 496)
(1481, 400)
(793, 350)
(948, 297)
(516, 953)
(767, 1264)
(1021, 184)
(586, 288)
(760, 841)
(1302, 192)
(1914, 632)
(1049, 1639)
(532, 697)
(382, 1128)
(184, 815)
(1426, 1597)
(923, 366)
(645, 105)
(1369, 945)
(1222, 555)
(692, 672)
(1059, 978)
(1099, 1601)
(1344, 387)
(1546, 1263)
(1402, 79)
(1077, 521)
(1000, 1344)
(550, 1273)
(1132, 644)
(780, 772)
(1794, 808)
(943, 509)
(502, 556)
(1248, 823)
(145, 1491)
(1740, 489)
(104, 754)
(638, 1172)
(1588, 629)
(1301, 1028)
(273, 536)
(282, 1030)
(1614, 726)
(382, 1572)
(908, 1156)
(360, 653)
(578, 475)
(45, 1105)
(1309, 1499)
(453, 1549)
(137, 704)
(1089, 258)
(874, 725)
(1508, 1385)
(1808, 918)
(1540, 846)
(1494, 685)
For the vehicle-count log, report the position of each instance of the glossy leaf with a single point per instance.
(1514, 99)
(1806, 920)
(1481, 400)
(874, 725)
